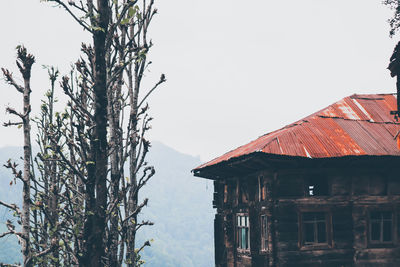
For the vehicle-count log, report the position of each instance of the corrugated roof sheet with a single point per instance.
(355, 125)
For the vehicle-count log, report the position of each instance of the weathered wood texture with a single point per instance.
(282, 195)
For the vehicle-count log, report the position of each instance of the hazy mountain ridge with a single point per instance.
(179, 205)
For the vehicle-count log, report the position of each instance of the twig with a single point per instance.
(162, 80)
(82, 23)
(11, 207)
(10, 80)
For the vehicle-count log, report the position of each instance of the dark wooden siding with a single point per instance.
(351, 195)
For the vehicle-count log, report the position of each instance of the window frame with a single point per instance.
(264, 228)
(238, 233)
(328, 229)
(394, 228)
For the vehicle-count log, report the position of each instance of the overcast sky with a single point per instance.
(235, 69)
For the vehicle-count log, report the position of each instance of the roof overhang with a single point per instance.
(258, 161)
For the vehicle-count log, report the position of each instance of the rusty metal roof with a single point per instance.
(356, 125)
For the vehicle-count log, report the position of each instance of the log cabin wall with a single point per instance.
(353, 215)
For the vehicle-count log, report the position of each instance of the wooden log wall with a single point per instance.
(350, 197)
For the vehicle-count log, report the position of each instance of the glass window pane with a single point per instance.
(265, 224)
(309, 232)
(387, 215)
(375, 215)
(244, 238)
(247, 238)
(243, 241)
(320, 216)
(240, 237)
(262, 223)
(308, 216)
(381, 224)
(321, 232)
(387, 231)
(375, 231)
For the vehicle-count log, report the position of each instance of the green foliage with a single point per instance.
(95, 28)
(132, 11)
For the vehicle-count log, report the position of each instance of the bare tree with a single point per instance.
(84, 207)
(24, 63)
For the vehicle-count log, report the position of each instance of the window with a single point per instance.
(381, 227)
(264, 232)
(314, 228)
(317, 187)
(243, 232)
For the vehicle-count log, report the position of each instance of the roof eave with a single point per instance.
(258, 161)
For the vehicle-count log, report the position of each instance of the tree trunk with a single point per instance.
(96, 186)
(114, 111)
(26, 197)
(133, 196)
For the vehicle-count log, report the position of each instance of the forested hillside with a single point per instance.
(179, 205)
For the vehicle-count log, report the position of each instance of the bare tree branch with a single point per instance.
(10, 80)
(81, 22)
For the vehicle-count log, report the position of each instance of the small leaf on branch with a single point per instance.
(95, 28)
(125, 21)
(131, 12)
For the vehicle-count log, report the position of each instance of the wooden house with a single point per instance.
(323, 191)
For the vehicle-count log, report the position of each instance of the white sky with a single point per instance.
(235, 69)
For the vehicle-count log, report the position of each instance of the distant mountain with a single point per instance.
(180, 205)
(9, 248)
